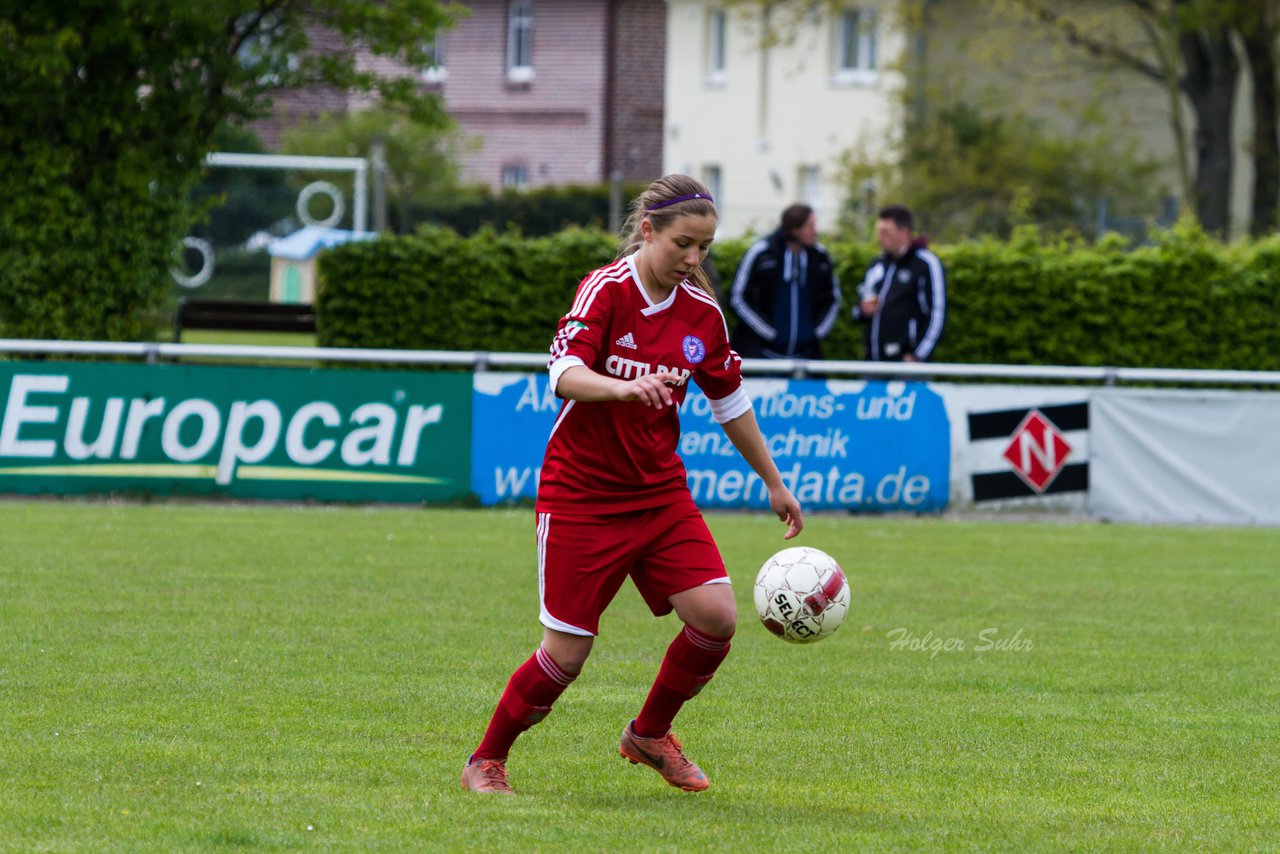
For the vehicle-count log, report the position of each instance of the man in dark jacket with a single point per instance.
(903, 298)
(786, 293)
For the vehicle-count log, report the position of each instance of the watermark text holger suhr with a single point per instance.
(989, 639)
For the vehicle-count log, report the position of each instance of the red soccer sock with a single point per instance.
(690, 663)
(527, 700)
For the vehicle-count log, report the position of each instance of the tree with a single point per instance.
(1192, 52)
(107, 109)
(1259, 29)
(942, 166)
(421, 158)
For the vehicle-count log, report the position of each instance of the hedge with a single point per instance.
(86, 241)
(437, 290)
(1186, 301)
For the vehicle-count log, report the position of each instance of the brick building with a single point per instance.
(554, 91)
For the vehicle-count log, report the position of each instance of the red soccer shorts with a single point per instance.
(583, 560)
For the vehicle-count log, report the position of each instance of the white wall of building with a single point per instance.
(775, 121)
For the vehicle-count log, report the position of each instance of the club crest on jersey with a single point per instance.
(693, 348)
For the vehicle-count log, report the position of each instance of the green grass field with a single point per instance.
(251, 339)
(202, 677)
(255, 339)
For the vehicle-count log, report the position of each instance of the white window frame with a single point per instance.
(437, 71)
(713, 178)
(515, 176)
(809, 183)
(520, 35)
(855, 56)
(717, 45)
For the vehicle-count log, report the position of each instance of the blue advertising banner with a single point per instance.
(854, 445)
(511, 416)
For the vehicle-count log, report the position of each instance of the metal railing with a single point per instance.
(155, 352)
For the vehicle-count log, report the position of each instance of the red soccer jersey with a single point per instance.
(618, 456)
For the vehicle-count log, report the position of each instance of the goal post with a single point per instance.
(358, 166)
(253, 212)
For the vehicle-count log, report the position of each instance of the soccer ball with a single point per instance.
(801, 595)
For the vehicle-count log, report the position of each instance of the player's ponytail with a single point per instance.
(662, 201)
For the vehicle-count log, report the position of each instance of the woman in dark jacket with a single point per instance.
(786, 293)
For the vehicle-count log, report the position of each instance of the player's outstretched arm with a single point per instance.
(745, 434)
(583, 384)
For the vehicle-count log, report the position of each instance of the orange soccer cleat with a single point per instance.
(663, 754)
(486, 775)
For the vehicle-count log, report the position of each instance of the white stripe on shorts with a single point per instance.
(544, 617)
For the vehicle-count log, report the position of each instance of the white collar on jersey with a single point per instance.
(654, 307)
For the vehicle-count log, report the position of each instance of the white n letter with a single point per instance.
(1029, 447)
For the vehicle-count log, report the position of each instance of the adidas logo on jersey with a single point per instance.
(628, 341)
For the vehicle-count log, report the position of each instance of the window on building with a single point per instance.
(515, 176)
(716, 39)
(714, 179)
(520, 40)
(810, 180)
(855, 54)
(434, 70)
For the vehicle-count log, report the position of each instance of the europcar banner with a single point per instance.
(839, 444)
(251, 432)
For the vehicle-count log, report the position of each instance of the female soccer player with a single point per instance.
(613, 499)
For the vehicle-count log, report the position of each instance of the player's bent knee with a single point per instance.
(709, 609)
(724, 627)
(572, 666)
(569, 652)
(720, 620)
(717, 623)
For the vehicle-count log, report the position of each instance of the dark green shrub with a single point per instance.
(1186, 301)
(438, 290)
(238, 274)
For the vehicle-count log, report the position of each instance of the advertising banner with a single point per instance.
(1018, 447)
(1186, 456)
(839, 444)
(246, 432)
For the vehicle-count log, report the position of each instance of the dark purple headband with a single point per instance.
(679, 199)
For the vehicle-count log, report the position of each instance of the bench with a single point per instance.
(244, 315)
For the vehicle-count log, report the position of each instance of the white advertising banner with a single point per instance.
(1018, 448)
(1185, 456)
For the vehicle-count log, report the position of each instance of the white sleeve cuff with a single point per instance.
(728, 408)
(559, 366)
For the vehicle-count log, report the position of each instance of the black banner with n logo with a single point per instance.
(1036, 450)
